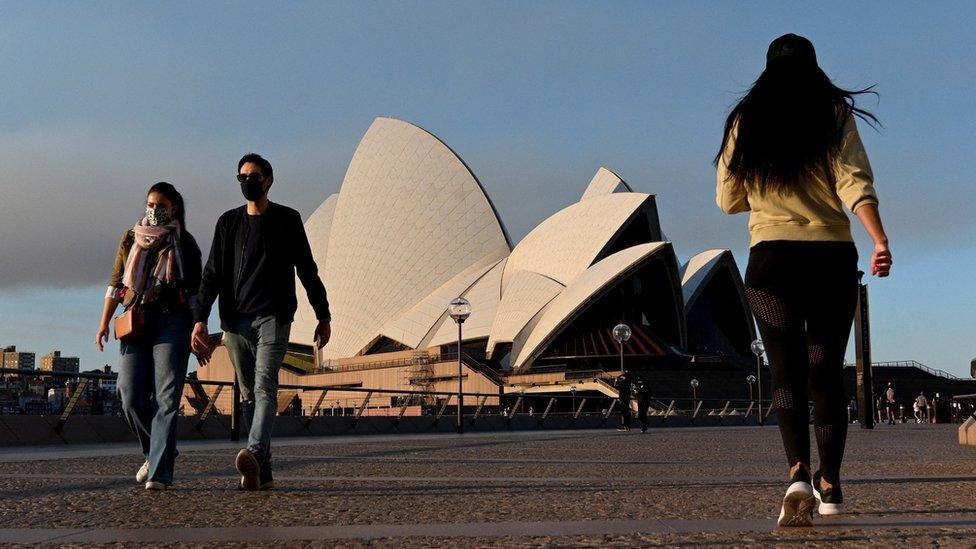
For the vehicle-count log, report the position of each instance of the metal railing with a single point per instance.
(592, 408)
(534, 408)
(915, 364)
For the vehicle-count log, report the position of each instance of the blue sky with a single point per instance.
(100, 100)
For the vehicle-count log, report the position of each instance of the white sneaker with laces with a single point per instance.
(142, 475)
(798, 505)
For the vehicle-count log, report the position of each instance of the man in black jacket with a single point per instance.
(623, 385)
(256, 251)
(643, 391)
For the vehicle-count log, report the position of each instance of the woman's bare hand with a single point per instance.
(881, 260)
(101, 337)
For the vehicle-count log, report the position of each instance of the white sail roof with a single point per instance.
(525, 295)
(603, 183)
(410, 216)
(566, 244)
(317, 227)
(577, 294)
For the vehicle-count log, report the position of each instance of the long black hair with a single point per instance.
(173, 196)
(790, 123)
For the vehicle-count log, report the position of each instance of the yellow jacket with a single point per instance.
(813, 213)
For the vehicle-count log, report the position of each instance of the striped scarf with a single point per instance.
(164, 243)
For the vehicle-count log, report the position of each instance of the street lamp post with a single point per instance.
(572, 391)
(621, 332)
(758, 349)
(694, 394)
(460, 310)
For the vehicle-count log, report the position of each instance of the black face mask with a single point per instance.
(253, 189)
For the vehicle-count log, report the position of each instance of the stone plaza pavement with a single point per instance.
(905, 485)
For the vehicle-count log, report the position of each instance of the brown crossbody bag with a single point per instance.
(129, 324)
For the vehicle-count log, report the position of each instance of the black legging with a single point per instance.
(625, 413)
(803, 295)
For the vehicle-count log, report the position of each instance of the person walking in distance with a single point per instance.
(792, 157)
(623, 384)
(643, 392)
(890, 403)
(923, 407)
(257, 250)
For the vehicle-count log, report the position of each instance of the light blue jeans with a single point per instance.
(257, 345)
(152, 371)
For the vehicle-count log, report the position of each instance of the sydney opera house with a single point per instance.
(412, 228)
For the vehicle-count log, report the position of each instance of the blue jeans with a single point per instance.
(152, 371)
(257, 345)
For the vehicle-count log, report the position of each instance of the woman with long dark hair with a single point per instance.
(792, 157)
(156, 274)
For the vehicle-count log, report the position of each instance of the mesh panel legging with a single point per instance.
(803, 295)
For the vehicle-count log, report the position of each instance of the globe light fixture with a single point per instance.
(460, 310)
(694, 393)
(621, 332)
(757, 347)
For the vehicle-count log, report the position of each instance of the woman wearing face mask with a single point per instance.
(157, 270)
(792, 157)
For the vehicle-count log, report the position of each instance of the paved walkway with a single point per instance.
(905, 485)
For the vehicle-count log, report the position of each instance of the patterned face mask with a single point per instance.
(158, 216)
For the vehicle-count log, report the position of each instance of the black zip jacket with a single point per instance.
(286, 245)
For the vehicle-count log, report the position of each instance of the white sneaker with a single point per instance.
(831, 502)
(798, 505)
(142, 475)
(153, 485)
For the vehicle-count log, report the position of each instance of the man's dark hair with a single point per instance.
(254, 158)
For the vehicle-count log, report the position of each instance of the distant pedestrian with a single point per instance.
(890, 403)
(623, 385)
(922, 404)
(156, 275)
(792, 157)
(643, 392)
